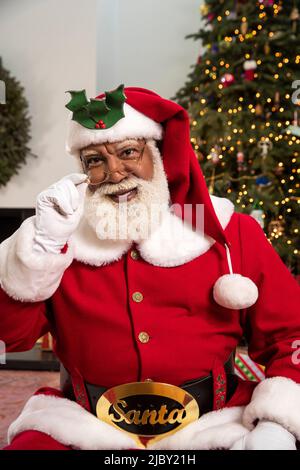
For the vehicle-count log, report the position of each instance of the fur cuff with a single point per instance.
(215, 430)
(27, 275)
(68, 423)
(276, 399)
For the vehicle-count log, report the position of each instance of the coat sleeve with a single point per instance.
(21, 323)
(27, 279)
(272, 327)
(26, 274)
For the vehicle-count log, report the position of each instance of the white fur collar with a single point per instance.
(172, 244)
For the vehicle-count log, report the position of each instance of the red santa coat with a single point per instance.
(101, 296)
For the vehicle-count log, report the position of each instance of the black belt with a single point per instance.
(201, 389)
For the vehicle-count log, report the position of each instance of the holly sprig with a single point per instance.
(96, 113)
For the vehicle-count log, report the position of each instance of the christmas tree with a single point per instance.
(243, 98)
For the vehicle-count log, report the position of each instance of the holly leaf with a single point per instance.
(78, 100)
(116, 98)
(98, 109)
(82, 117)
(88, 113)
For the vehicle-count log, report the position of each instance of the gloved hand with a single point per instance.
(266, 436)
(58, 212)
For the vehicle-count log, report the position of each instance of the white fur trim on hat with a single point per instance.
(275, 399)
(133, 125)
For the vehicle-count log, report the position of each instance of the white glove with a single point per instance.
(266, 436)
(58, 212)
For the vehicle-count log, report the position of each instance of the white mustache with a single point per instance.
(107, 189)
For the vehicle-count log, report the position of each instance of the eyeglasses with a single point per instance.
(129, 159)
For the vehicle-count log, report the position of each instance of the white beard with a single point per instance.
(134, 220)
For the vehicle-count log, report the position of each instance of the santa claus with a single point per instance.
(136, 290)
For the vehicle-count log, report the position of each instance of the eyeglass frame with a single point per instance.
(108, 173)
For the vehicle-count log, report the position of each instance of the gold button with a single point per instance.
(137, 296)
(144, 337)
(134, 254)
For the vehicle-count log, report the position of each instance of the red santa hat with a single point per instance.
(139, 113)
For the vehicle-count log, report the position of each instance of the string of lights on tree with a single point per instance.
(244, 102)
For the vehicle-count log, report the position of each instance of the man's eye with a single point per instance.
(94, 161)
(129, 152)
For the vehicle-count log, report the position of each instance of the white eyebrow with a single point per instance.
(90, 152)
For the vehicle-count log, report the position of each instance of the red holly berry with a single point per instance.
(97, 126)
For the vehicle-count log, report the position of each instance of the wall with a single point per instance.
(142, 43)
(55, 45)
(50, 47)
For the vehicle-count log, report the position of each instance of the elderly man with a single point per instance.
(146, 298)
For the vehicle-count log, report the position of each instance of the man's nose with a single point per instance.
(115, 169)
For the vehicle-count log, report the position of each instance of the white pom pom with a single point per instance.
(235, 291)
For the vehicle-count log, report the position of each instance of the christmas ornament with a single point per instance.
(227, 80)
(210, 16)
(215, 152)
(294, 128)
(232, 15)
(263, 181)
(295, 18)
(244, 27)
(267, 48)
(224, 45)
(214, 48)
(264, 146)
(295, 121)
(257, 214)
(275, 227)
(279, 170)
(97, 114)
(259, 109)
(267, 3)
(204, 9)
(249, 66)
(277, 99)
(276, 35)
(240, 158)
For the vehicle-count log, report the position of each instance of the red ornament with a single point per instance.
(249, 67)
(227, 80)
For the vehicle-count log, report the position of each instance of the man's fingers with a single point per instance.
(67, 194)
(76, 178)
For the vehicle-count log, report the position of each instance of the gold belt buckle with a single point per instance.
(148, 411)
